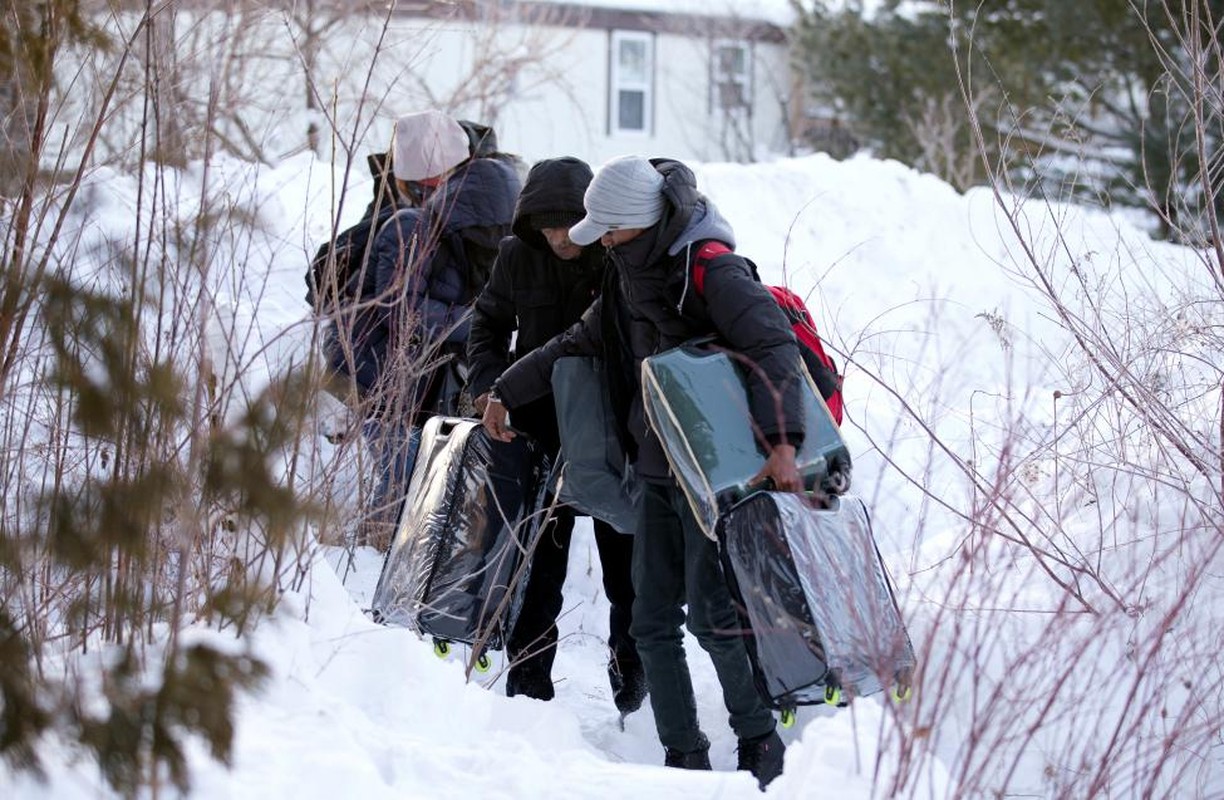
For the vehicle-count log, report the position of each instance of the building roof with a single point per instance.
(758, 20)
(776, 12)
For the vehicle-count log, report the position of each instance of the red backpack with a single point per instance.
(821, 367)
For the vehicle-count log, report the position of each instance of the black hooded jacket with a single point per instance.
(533, 292)
(648, 305)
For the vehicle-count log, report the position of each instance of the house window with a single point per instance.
(731, 77)
(631, 82)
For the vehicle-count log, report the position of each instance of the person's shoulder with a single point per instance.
(397, 227)
(484, 188)
(724, 274)
(490, 169)
(509, 250)
(404, 217)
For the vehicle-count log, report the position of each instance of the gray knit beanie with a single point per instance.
(626, 192)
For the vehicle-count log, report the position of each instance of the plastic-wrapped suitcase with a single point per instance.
(593, 476)
(471, 513)
(815, 598)
(697, 403)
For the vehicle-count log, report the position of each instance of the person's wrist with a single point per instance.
(781, 439)
(494, 397)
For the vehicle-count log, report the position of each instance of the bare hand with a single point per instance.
(496, 419)
(781, 470)
(480, 402)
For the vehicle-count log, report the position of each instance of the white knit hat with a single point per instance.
(626, 192)
(426, 145)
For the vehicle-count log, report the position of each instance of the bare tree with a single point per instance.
(939, 132)
(310, 24)
(512, 50)
(1075, 597)
(164, 92)
(145, 483)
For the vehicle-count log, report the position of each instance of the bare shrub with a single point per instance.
(148, 447)
(1066, 625)
(164, 480)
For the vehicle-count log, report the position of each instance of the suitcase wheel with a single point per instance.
(483, 663)
(441, 648)
(903, 685)
(787, 718)
(833, 695)
(837, 482)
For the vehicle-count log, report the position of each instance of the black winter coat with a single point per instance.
(650, 306)
(532, 292)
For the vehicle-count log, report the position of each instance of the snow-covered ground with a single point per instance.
(917, 290)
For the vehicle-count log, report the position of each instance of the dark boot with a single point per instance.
(529, 682)
(628, 682)
(693, 759)
(762, 757)
(533, 642)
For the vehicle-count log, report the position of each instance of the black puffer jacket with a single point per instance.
(649, 305)
(533, 292)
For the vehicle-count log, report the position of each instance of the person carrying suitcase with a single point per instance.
(652, 221)
(540, 284)
(402, 343)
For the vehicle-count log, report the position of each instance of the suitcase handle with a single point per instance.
(701, 345)
(763, 485)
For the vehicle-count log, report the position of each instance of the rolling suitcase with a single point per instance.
(815, 599)
(471, 514)
(697, 403)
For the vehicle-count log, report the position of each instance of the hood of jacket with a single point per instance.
(689, 216)
(482, 192)
(707, 222)
(648, 262)
(554, 185)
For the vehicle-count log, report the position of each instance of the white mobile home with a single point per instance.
(705, 80)
(605, 77)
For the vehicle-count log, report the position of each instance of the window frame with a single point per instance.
(618, 82)
(718, 77)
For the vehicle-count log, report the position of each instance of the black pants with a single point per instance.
(674, 565)
(533, 644)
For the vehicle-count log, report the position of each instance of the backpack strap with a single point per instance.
(708, 251)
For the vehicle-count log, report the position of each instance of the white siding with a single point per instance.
(555, 106)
